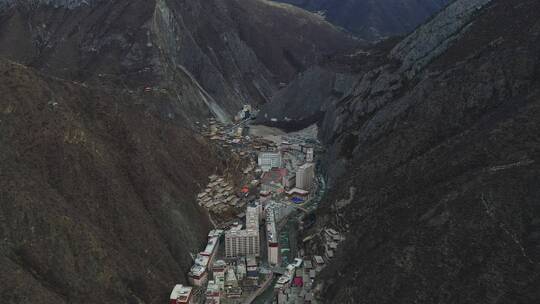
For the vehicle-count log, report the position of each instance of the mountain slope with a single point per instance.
(99, 167)
(374, 19)
(97, 193)
(443, 166)
(237, 51)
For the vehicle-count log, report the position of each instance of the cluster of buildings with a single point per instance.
(289, 175)
(247, 112)
(269, 159)
(230, 137)
(294, 177)
(236, 137)
(218, 196)
(246, 242)
(226, 280)
(332, 239)
(226, 277)
(242, 248)
(238, 270)
(296, 284)
(283, 176)
(229, 279)
(198, 274)
(290, 286)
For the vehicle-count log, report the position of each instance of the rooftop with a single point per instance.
(180, 292)
(297, 191)
(271, 231)
(331, 231)
(252, 217)
(212, 287)
(306, 166)
(219, 264)
(275, 175)
(215, 233)
(249, 232)
(318, 259)
(211, 246)
(251, 261)
(197, 270)
(202, 260)
(283, 279)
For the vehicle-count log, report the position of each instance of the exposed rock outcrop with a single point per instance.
(304, 100)
(445, 161)
(373, 20)
(234, 52)
(434, 37)
(70, 4)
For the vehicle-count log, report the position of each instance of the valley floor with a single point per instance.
(291, 279)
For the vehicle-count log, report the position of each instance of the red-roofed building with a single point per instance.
(298, 282)
(272, 180)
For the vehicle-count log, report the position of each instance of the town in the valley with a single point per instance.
(254, 252)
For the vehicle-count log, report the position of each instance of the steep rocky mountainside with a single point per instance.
(321, 86)
(234, 51)
(433, 144)
(435, 163)
(97, 193)
(309, 95)
(372, 20)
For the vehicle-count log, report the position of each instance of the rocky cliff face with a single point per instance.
(325, 84)
(442, 164)
(303, 102)
(70, 4)
(434, 37)
(235, 52)
(374, 20)
(97, 201)
(313, 93)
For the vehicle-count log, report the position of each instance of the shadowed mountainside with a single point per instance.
(98, 177)
(372, 20)
(97, 194)
(237, 51)
(440, 149)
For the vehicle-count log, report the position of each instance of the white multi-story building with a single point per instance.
(269, 160)
(211, 248)
(198, 274)
(309, 155)
(305, 176)
(252, 216)
(289, 180)
(241, 269)
(272, 237)
(242, 243)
